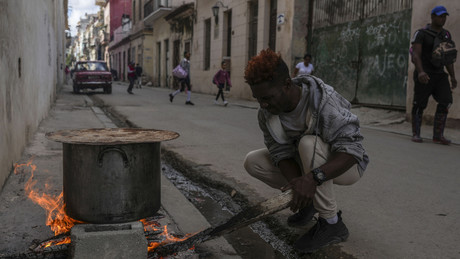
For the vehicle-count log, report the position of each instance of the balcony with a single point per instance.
(101, 3)
(156, 9)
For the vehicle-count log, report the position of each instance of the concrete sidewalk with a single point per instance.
(23, 222)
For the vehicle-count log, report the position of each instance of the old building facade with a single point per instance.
(359, 47)
(32, 61)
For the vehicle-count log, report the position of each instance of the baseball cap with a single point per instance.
(438, 10)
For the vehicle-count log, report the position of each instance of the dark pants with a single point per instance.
(221, 92)
(185, 82)
(131, 83)
(438, 87)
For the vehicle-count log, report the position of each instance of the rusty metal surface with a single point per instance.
(108, 136)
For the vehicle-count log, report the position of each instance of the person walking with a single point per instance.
(139, 76)
(221, 78)
(430, 77)
(304, 67)
(67, 74)
(312, 142)
(131, 77)
(185, 82)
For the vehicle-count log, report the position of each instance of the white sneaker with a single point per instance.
(225, 103)
(216, 102)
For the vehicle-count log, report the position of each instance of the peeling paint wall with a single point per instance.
(32, 47)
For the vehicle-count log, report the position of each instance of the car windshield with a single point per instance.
(93, 66)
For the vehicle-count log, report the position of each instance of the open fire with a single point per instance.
(61, 224)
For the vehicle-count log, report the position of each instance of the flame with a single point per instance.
(60, 223)
(54, 205)
(165, 235)
(65, 240)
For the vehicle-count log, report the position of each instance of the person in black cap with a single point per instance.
(430, 77)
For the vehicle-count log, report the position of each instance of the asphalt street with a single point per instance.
(405, 206)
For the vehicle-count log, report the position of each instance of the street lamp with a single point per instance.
(215, 10)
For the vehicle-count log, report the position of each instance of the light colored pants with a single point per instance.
(259, 165)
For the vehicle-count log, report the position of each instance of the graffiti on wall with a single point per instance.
(366, 61)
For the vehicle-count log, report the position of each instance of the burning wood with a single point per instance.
(160, 242)
(244, 218)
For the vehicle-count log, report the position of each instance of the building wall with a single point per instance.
(201, 78)
(121, 64)
(142, 40)
(421, 15)
(117, 9)
(31, 73)
(144, 47)
(161, 47)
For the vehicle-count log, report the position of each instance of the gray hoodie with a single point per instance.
(328, 117)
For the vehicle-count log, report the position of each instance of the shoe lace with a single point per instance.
(317, 226)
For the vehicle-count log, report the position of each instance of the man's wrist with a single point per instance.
(319, 176)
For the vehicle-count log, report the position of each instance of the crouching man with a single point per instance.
(312, 142)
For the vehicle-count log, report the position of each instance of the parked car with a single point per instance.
(92, 75)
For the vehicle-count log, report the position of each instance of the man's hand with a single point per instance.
(423, 78)
(453, 83)
(304, 188)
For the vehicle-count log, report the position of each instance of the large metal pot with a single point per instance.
(111, 175)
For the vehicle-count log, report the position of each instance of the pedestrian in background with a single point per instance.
(222, 78)
(430, 77)
(139, 76)
(131, 77)
(304, 67)
(67, 76)
(185, 82)
(312, 142)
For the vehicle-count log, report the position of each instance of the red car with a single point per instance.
(92, 75)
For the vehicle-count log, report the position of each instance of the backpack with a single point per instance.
(444, 52)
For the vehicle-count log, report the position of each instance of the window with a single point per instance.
(139, 55)
(140, 10)
(272, 29)
(228, 33)
(134, 11)
(253, 14)
(176, 53)
(207, 44)
(133, 54)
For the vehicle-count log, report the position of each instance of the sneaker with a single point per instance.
(171, 97)
(129, 92)
(322, 234)
(417, 139)
(189, 103)
(442, 141)
(302, 217)
(216, 102)
(225, 103)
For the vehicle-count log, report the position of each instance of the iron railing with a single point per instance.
(330, 12)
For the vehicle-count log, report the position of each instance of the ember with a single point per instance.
(159, 236)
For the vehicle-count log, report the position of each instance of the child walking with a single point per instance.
(220, 78)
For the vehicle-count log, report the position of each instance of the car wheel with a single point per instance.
(108, 89)
(75, 89)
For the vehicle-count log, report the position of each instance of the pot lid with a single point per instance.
(111, 136)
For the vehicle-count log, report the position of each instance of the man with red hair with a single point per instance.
(312, 142)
